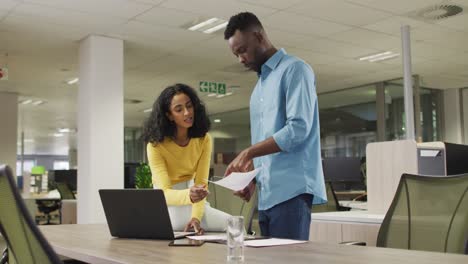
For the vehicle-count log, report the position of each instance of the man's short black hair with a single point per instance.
(242, 22)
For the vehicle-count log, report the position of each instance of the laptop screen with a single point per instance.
(137, 213)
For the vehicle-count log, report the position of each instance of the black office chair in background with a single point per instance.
(47, 207)
(65, 191)
(332, 204)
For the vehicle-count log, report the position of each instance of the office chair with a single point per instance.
(211, 198)
(224, 200)
(25, 242)
(332, 204)
(249, 210)
(428, 213)
(47, 206)
(65, 191)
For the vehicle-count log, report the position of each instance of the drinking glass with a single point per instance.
(235, 239)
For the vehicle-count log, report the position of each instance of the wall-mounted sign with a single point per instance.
(212, 87)
(3, 74)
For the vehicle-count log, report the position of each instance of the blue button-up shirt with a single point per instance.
(284, 106)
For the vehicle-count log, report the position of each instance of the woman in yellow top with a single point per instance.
(179, 152)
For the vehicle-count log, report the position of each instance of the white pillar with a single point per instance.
(100, 124)
(8, 129)
(408, 82)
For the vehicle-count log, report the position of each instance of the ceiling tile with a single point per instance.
(56, 16)
(441, 36)
(41, 29)
(314, 58)
(116, 8)
(432, 51)
(396, 6)
(6, 5)
(393, 25)
(291, 22)
(152, 2)
(459, 22)
(369, 39)
(180, 37)
(217, 8)
(339, 11)
(337, 48)
(165, 16)
(278, 4)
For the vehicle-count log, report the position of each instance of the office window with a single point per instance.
(231, 134)
(348, 121)
(61, 165)
(134, 148)
(27, 166)
(429, 115)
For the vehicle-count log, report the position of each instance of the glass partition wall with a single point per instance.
(348, 118)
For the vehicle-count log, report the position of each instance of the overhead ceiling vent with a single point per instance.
(437, 12)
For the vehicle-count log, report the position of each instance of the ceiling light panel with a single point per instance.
(209, 26)
(379, 56)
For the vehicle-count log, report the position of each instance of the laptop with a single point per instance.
(138, 213)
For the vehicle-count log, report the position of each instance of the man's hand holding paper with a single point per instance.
(237, 181)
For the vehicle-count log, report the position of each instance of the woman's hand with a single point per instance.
(198, 193)
(194, 225)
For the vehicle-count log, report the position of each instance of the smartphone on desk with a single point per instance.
(186, 243)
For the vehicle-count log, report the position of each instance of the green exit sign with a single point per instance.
(212, 87)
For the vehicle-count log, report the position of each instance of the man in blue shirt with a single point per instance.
(285, 132)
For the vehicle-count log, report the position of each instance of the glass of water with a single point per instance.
(235, 239)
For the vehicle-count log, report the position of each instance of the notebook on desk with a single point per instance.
(138, 213)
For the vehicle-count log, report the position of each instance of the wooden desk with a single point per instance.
(93, 243)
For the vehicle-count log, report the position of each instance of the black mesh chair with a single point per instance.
(249, 210)
(332, 204)
(428, 213)
(224, 200)
(25, 242)
(65, 191)
(47, 207)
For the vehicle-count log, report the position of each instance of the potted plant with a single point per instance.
(143, 179)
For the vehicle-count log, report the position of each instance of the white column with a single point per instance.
(408, 82)
(452, 116)
(100, 124)
(8, 129)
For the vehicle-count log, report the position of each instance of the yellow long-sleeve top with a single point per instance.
(171, 164)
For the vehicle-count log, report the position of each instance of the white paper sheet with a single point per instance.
(271, 242)
(237, 181)
(209, 237)
(217, 237)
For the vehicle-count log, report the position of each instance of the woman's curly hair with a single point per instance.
(158, 126)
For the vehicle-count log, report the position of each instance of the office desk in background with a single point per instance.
(345, 226)
(93, 243)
